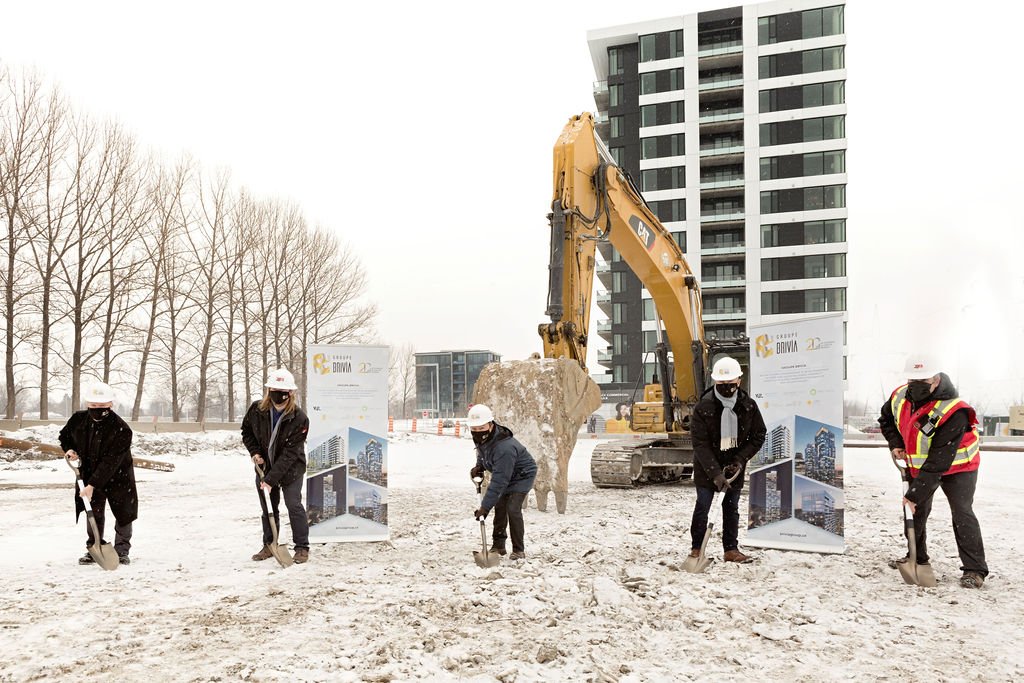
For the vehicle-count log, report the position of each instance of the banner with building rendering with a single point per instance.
(796, 499)
(347, 446)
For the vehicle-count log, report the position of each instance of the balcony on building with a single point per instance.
(715, 314)
(719, 283)
(720, 32)
(721, 215)
(604, 301)
(601, 98)
(602, 378)
(604, 356)
(719, 114)
(604, 327)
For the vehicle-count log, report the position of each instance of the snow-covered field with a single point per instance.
(599, 599)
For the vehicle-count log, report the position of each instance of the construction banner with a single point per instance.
(796, 499)
(347, 446)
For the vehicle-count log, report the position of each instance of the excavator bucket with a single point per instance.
(544, 401)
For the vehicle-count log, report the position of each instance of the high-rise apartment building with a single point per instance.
(732, 123)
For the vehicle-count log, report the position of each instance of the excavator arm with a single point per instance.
(595, 200)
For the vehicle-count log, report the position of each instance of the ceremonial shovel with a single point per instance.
(484, 558)
(104, 554)
(280, 552)
(912, 572)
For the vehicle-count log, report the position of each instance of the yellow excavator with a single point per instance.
(595, 200)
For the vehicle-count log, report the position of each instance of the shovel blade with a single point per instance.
(486, 559)
(696, 565)
(917, 574)
(281, 554)
(105, 556)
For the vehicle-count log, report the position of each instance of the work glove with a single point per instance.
(720, 482)
(732, 468)
(476, 473)
(480, 514)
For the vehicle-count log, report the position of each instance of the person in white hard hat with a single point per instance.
(727, 431)
(936, 433)
(512, 470)
(102, 442)
(274, 431)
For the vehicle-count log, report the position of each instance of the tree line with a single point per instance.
(161, 279)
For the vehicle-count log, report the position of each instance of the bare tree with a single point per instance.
(208, 251)
(50, 237)
(164, 197)
(402, 379)
(24, 126)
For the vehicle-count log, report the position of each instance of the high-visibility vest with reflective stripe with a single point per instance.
(917, 443)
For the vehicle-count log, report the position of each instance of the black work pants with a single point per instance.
(959, 489)
(122, 532)
(296, 513)
(730, 518)
(508, 514)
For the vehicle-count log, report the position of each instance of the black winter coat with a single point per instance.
(105, 451)
(287, 459)
(511, 466)
(706, 431)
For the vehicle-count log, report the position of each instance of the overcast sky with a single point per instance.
(423, 136)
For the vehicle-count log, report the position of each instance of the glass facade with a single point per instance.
(445, 381)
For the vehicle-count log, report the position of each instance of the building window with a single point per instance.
(648, 309)
(680, 239)
(724, 304)
(618, 313)
(803, 199)
(650, 341)
(616, 153)
(617, 282)
(803, 130)
(803, 165)
(811, 232)
(675, 44)
(804, 301)
(669, 210)
(671, 178)
(649, 115)
(620, 374)
(648, 83)
(647, 48)
(802, 96)
(662, 146)
(617, 128)
(619, 344)
(722, 240)
(663, 113)
(723, 272)
(814, 23)
(803, 267)
(615, 95)
(806, 62)
(616, 63)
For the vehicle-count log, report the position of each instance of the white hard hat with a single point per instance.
(726, 369)
(479, 415)
(282, 380)
(920, 366)
(98, 392)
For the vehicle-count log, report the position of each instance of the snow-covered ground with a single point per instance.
(600, 597)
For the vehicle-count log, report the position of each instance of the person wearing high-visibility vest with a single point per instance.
(936, 434)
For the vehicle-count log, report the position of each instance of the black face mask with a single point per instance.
(726, 390)
(481, 437)
(919, 390)
(279, 397)
(99, 414)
